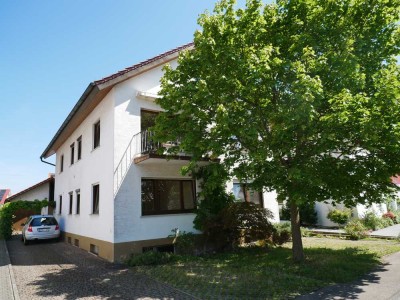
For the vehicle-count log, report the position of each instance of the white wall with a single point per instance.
(95, 166)
(130, 225)
(39, 193)
(359, 211)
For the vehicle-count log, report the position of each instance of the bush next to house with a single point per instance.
(356, 230)
(308, 215)
(151, 258)
(392, 216)
(373, 222)
(282, 233)
(7, 213)
(245, 222)
(339, 216)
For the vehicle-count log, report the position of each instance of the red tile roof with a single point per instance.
(143, 63)
(396, 180)
(3, 195)
(14, 197)
(95, 87)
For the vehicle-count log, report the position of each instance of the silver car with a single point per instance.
(40, 227)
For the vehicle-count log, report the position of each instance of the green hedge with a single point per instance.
(7, 213)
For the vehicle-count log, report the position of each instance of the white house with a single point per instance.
(43, 190)
(113, 194)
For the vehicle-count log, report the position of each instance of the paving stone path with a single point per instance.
(6, 286)
(50, 270)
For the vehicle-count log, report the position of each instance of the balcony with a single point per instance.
(149, 148)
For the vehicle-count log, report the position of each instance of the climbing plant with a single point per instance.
(7, 213)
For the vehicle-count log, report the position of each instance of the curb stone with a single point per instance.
(14, 289)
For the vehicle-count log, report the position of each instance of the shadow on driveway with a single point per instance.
(55, 270)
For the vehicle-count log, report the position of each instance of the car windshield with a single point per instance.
(47, 221)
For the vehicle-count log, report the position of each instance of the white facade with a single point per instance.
(358, 212)
(40, 191)
(94, 167)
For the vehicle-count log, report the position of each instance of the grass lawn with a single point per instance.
(270, 273)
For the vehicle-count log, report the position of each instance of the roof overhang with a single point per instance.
(97, 90)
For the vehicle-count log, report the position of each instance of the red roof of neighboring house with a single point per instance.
(4, 195)
(396, 180)
(14, 197)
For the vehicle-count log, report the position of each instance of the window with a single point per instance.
(46, 221)
(167, 196)
(147, 119)
(78, 202)
(79, 143)
(96, 135)
(60, 207)
(62, 163)
(96, 198)
(243, 193)
(72, 153)
(71, 199)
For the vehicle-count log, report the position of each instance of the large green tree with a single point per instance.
(301, 97)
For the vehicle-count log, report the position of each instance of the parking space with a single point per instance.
(52, 270)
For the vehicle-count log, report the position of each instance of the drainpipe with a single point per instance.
(46, 162)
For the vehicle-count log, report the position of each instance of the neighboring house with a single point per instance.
(114, 195)
(4, 194)
(358, 211)
(43, 190)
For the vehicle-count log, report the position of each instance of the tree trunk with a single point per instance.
(297, 243)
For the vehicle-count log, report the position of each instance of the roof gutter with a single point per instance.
(46, 162)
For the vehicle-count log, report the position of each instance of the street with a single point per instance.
(56, 270)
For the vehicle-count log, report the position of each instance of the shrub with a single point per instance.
(338, 216)
(213, 195)
(7, 213)
(308, 215)
(356, 230)
(186, 242)
(282, 233)
(390, 215)
(244, 222)
(151, 258)
(373, 222)
(305, 232)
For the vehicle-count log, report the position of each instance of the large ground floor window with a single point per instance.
(167, 196)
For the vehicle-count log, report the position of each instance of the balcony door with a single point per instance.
(147, 119)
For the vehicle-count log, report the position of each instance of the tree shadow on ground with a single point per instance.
(52, 270)
(271, 274)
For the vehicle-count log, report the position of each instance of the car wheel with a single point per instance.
(26, 242)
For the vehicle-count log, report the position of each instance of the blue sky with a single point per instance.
(51, 50)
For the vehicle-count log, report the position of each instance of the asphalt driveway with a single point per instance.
(51, 270)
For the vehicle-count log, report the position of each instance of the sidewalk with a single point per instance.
(8, 288)
(383, 283)
(392, 231)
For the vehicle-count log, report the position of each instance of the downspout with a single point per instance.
(46, 162)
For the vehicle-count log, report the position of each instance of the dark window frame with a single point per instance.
(95, 199)
(62, 163)
(156, 193)
(60, 207)
(96, 134)
(72, 147)
(78, 202)
(79, 148)
(71, 201)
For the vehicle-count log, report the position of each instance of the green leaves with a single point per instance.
(301, 97)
